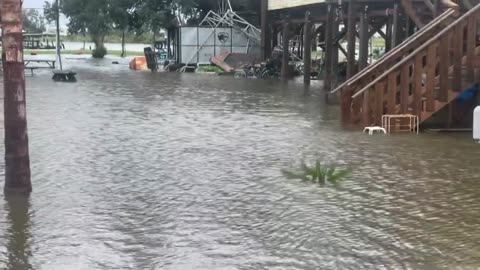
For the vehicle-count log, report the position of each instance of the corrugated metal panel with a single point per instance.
(279, 4)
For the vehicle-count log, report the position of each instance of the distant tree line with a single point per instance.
(97, 18)
(33, 21)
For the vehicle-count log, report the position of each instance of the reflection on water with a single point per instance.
(134, 170)
(18, 234)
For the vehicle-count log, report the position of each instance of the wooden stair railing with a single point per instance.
(357, 82)
(397, 53)
(426, 80)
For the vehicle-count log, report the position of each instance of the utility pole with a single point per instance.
(57, 22)
(17, 160)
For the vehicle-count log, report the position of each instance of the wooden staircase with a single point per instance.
(420, 76)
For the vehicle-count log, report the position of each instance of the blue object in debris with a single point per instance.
(469, 94)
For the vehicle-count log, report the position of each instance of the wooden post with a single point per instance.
(266, 34)
(286, 51)
(395, 25)
(169, 42)
(307, 49)
(450, 114)
(351, 39)
(329, 48)
(335, 25)
(388, 40)
(274, 36)
(363, 57)
(436, 5)
(17, 160)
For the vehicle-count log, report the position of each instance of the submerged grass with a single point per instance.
(319, 173)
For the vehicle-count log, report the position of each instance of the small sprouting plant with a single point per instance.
(319, 173)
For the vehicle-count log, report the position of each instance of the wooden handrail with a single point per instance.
(418, 50)
(386, 57)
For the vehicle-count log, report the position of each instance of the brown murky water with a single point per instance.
(133, 170)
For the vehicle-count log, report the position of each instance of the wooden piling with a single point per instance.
(169, 43)
(364, 38)
(336, 44)
(329, 48)
(395, 25)
(17, 160)
(266, 40)
(388, 39)
(351, 38)
(307, 49)
(285, 50)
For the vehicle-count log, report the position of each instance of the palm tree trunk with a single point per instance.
(17, 161)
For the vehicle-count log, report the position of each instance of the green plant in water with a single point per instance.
(321, 174)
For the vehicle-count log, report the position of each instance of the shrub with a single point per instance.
(99, 52)
(321, 174)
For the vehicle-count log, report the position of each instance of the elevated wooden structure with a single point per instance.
(432, 53)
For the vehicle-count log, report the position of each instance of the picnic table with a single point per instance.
(34, 64)
(47, 63)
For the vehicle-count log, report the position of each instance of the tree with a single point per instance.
(90, 15)
(33, 21)
(121, 15)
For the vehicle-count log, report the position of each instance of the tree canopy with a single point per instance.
(33, 21)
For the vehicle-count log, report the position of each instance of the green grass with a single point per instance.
(80, 52)
(378, 43)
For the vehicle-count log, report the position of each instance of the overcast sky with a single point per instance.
(33, 3)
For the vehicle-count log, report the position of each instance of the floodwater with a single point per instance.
(134, 170)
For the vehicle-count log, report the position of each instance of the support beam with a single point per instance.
(389, 36)
(430, 5)
(436, 5)
(307, 49)
(364, 37)
(412, 13)
(408, 27)
(169, 43)
(265, 28)
(395, 25)
(286, 51)
(329, 38)
(351, 30)
(274, 37)
(336, 44)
